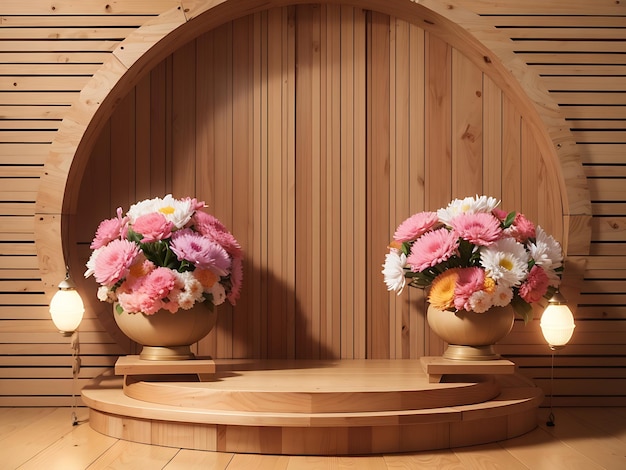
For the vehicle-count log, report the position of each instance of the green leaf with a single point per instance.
(406, 248)
(510, 217)
(522, 308)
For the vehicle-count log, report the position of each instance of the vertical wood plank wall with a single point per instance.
(311, 132)
(283, 196)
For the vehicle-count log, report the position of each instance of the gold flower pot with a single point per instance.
(167, 336)
(471, 336)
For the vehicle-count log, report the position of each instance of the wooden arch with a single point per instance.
(488, 49)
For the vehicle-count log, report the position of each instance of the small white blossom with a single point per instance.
(502, 295)
(480, 301)
(104, 294)
(219, 295)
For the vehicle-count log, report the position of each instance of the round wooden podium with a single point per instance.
(332, 407)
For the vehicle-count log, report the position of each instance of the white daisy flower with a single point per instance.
(506, 261)
(484, 204)
(91, 262)
(177, 211)
(147, 206)
(393, 271)
(468, 205)
(546, 251)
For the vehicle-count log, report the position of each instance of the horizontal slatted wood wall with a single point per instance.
(580, 57)
(34, 359)
(48, 52)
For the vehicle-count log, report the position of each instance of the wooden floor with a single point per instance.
(44, 438)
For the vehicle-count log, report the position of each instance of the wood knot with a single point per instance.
(467, 135)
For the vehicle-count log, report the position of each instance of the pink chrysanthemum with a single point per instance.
(211, 227)
(109, 230)
(480, 228)
(236, 279)
(114, 261)
(522, 229)
(153, 227)
(202, 252)
(432, 248)
(415, 226)
(139, 302)
(536, 285)
(470, 280)
(159, 283)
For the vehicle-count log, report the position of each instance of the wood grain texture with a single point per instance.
(591, 435)
(314, 408)
(31, 113)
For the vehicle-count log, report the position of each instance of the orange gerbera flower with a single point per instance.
(441, 294)
(205, 277)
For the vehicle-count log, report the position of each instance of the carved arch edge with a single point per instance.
(471, 34)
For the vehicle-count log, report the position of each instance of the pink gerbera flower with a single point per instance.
(202, 252)
(415, 226)
(432, 248)
(114, 261)
(536, 285)
(153, 227)
(480, 228)
(470, 280)
(109, 230)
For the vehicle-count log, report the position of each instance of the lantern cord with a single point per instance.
(75, 342)
(550, 421)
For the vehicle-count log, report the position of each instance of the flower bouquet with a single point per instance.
(165, 253)
(472, 256)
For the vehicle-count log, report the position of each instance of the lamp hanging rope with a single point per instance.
(557, 326)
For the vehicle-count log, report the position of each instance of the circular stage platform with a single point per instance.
(332, 407)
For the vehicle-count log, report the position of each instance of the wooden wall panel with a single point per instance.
(255, 125)
(576, 50)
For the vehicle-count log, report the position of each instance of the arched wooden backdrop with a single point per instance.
(538, 53)
(312, 131)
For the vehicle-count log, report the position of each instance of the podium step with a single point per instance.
(312, 407)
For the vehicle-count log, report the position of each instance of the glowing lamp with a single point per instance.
(66, 307)
(557, 322)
